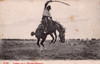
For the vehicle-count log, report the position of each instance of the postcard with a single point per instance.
(49, 31)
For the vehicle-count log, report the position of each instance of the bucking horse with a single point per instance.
(51, 28)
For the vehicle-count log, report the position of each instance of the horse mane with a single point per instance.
(60, 26)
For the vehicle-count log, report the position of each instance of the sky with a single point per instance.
(18, 18)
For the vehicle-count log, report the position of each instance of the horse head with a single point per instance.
(61, 31)
(62, 36)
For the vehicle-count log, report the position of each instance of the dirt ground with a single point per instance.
(70, 50)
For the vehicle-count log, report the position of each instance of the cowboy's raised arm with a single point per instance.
(47, 3)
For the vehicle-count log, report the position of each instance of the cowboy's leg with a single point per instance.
(46, 24)
(43, 20)
(50, 24)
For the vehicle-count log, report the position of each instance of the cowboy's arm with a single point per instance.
(47, 3)
(50, 16)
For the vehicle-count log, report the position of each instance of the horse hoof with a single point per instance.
(53, 42)
(44, 49)
(41, 50)
(50, 43)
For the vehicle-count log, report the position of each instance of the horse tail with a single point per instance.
(32, 33)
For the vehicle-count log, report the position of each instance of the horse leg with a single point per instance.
(43, 39)
(38, 42)
(55, 37)
(52, 38)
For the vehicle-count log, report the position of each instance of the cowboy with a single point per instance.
(46, 14)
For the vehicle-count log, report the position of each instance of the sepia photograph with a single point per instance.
(49, 30)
